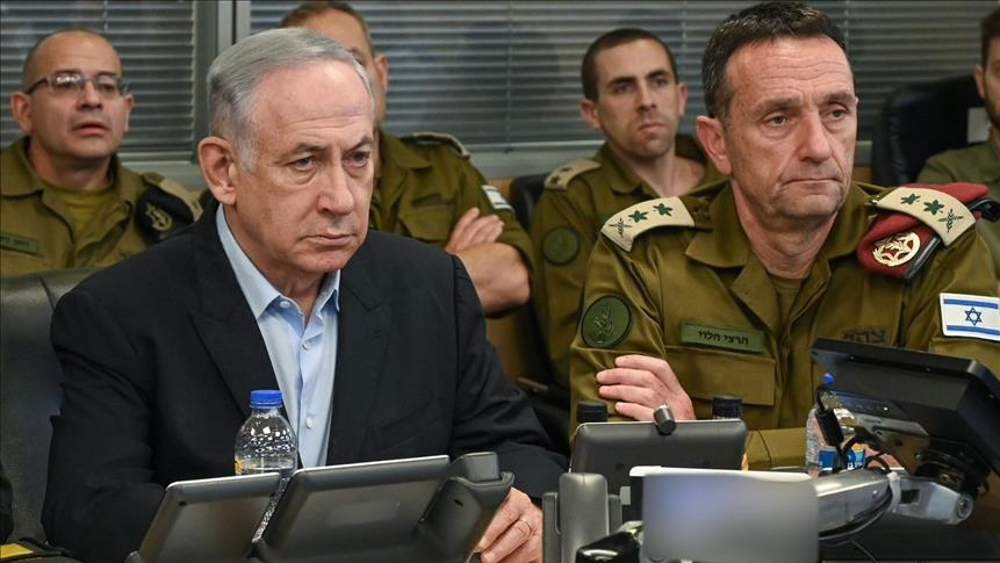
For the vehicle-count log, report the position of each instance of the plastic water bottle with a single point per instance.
(819, 455)
(266, 441)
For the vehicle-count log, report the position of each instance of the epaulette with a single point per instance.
(623, 227)
(434, 138)
(560, 177)
(915, 219)
(166, 207)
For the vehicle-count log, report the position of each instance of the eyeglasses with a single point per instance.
(72, 83)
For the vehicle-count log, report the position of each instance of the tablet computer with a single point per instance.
(207, 520)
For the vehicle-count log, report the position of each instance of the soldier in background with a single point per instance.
(634, 96)
(979, 163)
(425, 186)
(67, 201)
(724, 290)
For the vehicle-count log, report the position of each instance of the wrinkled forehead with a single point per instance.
(287, 96)
(807, 63)
(74, 51)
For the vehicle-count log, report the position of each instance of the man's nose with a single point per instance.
(646, 98)
(88, 96)
(815, 143)
(335, 195)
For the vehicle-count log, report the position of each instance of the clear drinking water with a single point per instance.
(266, 443)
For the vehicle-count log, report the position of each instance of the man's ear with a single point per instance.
(382, 68)
(980, 74)
(20, 106)
(588, 111)
(682, 97)
(710, 133)
(218, 165)
(129, 100)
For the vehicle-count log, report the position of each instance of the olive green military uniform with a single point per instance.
(426, 183)
(980, 164)
(578, 198)
(698, 297)
(38, 232)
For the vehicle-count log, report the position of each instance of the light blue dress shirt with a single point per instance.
(303, 352)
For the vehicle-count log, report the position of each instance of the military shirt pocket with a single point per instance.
(706, 373)
(430, 224)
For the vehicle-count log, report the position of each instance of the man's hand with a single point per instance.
(472, 230)
(639, 384)
(515, 534)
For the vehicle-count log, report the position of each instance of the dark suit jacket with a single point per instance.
(160, 354)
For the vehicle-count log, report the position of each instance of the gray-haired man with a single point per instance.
(377, 342)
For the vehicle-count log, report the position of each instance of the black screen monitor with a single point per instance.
(612, 449)
(939, 416)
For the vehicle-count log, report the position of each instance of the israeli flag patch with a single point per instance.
(972, 316)
(496, 198)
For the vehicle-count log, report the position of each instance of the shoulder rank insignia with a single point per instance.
(496, 198)
(432, 137)
(623, 227)
(915, 219)
(560, 177)
(165, 207)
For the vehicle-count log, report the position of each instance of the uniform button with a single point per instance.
(284, 304)
(309, 422)
(306, 345)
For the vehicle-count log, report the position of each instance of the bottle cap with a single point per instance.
(827, 379)
(727, 406)
(265, 399)
(591, 411)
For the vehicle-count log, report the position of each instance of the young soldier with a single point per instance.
(633, 95)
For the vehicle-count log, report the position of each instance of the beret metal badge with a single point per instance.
(897, 249)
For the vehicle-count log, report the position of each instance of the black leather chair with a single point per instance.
(524, 194)
(919, 121)
(30, 389)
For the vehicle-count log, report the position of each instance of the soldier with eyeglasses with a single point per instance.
(66, 200)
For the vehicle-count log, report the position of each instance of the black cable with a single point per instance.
(867, 553)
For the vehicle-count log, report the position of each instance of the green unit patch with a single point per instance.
(561, 245)
(19, 243)
(717, 337)
(606, 322)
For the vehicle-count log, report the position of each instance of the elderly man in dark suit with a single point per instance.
(377, 342)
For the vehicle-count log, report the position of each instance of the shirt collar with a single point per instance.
(725, 244)
(259, 292)
(24, 181)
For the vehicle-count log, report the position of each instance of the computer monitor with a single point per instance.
(207, 520)
(612, 449)
(939, 416)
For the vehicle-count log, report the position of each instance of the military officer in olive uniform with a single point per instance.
(722, 291)
(67, 201)
(632, 94)
(425, 186)
(979, 163)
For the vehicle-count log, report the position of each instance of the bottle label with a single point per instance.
(855, 457)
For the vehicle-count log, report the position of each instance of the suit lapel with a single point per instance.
(224, 320)
(361, 348)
